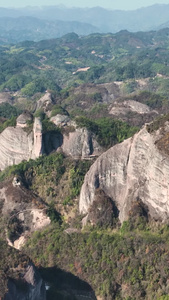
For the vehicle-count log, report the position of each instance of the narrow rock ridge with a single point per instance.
(134, 169)
(37, 132)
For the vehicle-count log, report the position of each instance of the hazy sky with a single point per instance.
(112, 4)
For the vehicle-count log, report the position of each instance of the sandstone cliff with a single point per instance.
(134, 169)
(80, 144)
(77, 142)
(17, 145)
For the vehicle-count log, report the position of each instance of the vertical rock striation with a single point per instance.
(37, 132)
(134, 169)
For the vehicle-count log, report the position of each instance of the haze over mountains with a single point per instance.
(37, 23)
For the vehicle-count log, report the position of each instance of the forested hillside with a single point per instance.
(72, 114)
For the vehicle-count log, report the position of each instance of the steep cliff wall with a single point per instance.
(37, 133)
(15, 146)
(134, 169)
(19, 143)
(80, 144)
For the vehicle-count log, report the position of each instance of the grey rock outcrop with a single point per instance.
(21, 207)
(44, 102)
(60, 120)
(37, 132)
(129, 106)
(23, 119)
(17, 145)
(134, 169)
(76, 142)
(5, 97)
(21, 143)
(80, 144)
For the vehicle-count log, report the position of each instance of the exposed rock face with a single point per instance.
(44, 102)
(80, 143)
(129, 105)
(23, 119)
(134, 169)
(60, 120)
(133, 112)
(17, 145)
(19, 278)
(37, 131)
(22, 210)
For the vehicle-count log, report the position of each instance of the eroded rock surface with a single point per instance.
(60, 120)
(44, 102)
(134, 169)
(23, 119)
(16, 144)
(21, 143)
(129, 106)
(22, 212)
(80, 144)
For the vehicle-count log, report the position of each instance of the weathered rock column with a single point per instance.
(37, 131)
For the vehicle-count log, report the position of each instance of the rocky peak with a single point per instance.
(134, 169)
(23, 119)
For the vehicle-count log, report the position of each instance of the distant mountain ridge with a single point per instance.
(14, 30)
(37, 23)
(145, 18)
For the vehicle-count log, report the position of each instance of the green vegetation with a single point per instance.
(107, 130)
(35, 67)
(7, 123)
(120, 262)
(42, 166)
(126, 264)
(10, 259)
(7, 111)
(157, 123)
(46, 174)
(47, 126)
(57, 109)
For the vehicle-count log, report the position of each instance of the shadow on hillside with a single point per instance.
(62, 285)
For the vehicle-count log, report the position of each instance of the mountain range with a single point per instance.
(37, 23)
